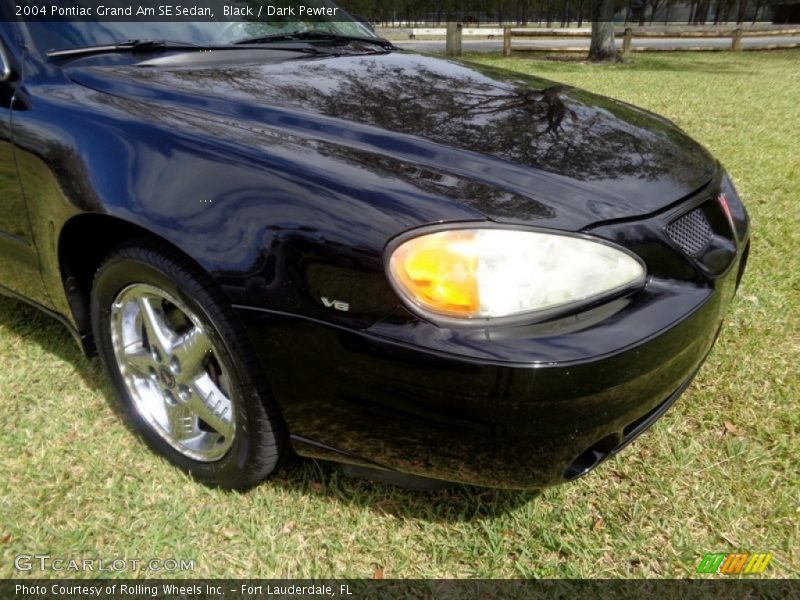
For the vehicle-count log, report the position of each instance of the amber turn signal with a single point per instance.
(440, 271)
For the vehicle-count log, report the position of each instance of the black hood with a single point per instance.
(546, 148)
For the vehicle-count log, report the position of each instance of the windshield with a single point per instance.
(63, 35)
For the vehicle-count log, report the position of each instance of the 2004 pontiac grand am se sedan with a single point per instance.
(292, 235)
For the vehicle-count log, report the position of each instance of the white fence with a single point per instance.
(470, 31)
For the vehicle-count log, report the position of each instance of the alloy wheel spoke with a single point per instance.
(138, 360)
(190, 349)
(210, 404)
(182, 421)
(159, 333)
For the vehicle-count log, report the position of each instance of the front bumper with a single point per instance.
(522, 406)
(374, 399)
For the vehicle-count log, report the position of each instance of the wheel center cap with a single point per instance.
(167, 378)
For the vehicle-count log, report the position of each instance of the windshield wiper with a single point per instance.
(316, 36)
(166, 45)
(130, 46)
(155, 46)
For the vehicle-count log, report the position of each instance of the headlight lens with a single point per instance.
(489, 273)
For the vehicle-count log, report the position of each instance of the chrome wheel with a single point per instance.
(177, 380)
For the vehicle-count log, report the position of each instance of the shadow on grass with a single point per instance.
(311, 477)
(51, 336)
(451, 504)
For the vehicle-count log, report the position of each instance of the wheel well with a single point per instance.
(84, 243)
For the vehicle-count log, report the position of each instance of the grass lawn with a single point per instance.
(719, 473)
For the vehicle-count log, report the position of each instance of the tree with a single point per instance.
(602, 48)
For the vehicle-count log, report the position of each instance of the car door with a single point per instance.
(19, 260)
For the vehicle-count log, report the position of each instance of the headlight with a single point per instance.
(489, 273)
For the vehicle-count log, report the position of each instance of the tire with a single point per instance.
(182, 370)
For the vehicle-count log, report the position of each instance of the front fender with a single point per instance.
(283, 223)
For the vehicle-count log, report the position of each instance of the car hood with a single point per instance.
(549, 151)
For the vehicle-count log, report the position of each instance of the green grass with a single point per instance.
(75, 483)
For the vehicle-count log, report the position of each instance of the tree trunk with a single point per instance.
(602, 48)
(741, 11)
(759, 4)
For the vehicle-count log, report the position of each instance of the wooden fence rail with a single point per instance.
(456, 31)
(629, 33)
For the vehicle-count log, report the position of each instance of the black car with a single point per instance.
(294, 236)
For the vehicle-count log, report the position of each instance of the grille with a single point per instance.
(691, 232)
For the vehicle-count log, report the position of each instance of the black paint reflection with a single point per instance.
(538, 145)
